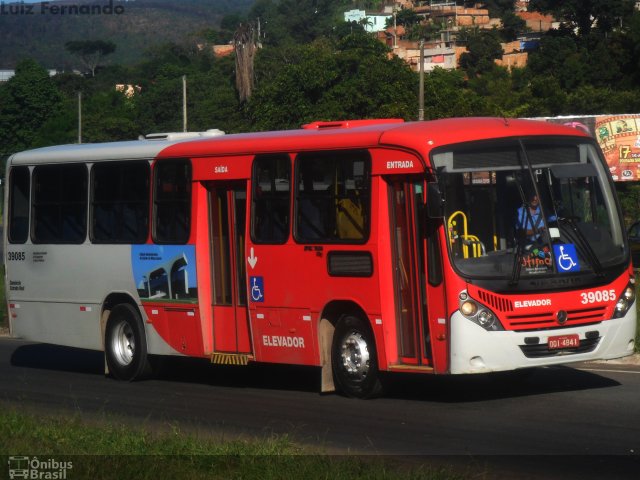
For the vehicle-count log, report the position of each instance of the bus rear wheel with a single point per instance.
(354, 360)
(125, 344)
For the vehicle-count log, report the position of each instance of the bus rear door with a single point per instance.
(227, 215)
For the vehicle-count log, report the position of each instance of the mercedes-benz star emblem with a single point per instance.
(562, 317)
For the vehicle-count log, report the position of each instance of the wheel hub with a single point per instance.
(355, 354)
(123, 343)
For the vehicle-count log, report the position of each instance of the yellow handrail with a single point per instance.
(467, 239)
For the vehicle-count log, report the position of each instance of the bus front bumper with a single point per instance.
(476, 350)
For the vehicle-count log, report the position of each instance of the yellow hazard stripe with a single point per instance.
(229, 359)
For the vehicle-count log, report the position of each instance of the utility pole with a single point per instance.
(184, 103)
(79, 117)
(421, 88)
(395, 27)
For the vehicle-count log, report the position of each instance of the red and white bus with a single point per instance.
(358, 247)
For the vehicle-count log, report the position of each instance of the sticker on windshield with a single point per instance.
(566, 257)
(537, 260)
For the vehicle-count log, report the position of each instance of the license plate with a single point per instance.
(564, 341)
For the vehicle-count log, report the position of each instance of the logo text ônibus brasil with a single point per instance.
(34, 468)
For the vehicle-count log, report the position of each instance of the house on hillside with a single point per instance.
(372, 22)
(538, 22)
(451, 18)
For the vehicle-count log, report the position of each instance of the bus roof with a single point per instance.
(418, 136)
(144, 148)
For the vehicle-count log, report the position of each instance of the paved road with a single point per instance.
(582, 413)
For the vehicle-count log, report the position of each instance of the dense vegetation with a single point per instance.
(144, 23)
(314, 66)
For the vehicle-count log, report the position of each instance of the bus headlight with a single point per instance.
(478, 313)
(469, 308)
(625, 301)
(486, 319)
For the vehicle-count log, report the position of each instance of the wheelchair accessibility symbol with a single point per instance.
(566, 257)
(257, 289)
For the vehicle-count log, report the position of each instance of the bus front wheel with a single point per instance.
(354, 360)
(125, 344)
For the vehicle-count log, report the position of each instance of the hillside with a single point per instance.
(42, 32)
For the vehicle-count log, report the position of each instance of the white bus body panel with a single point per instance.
(55, 294)
(476, 350)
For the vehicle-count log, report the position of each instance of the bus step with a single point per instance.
(230, 358)
(410, 368)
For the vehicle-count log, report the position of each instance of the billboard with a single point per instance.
(619, 139)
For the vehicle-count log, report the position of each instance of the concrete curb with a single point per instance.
(629, 360)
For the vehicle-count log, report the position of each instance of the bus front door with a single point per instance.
(227, 213)
(414, 342)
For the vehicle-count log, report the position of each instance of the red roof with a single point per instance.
(535, 16)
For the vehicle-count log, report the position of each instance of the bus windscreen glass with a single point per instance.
(528, 207)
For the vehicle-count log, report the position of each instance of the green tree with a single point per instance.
(546, 98)
(342, 29)
(498, 8)
(296, 21)
(354, 78)
(503, 93)
(576, 62)
(624, 49)
(109, 116)
(447, 95)
(584, 15)
(212, 101)
(559, 57)
(483, 47)
(27, 101)
(406, 17)
(629, 194)
(91, 52)
(601, 67)
(512, 26)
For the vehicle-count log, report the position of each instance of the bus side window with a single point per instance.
(172, 202)
(338, 186)
(120, 202)
(19, 183)
(271, 200)
(60, 204)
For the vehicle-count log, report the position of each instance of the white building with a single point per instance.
(372, 22)
(7, 74)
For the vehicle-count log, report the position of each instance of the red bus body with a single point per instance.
(299, 293)
(407, 276)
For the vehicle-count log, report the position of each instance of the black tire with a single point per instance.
(125, 344)
(354, 360)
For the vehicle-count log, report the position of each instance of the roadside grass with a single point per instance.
(112, 450)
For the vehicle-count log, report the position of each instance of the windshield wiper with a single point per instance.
(575, 235)
(517, 264)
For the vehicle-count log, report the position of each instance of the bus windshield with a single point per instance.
(529, 207)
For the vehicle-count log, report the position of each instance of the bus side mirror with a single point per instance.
(435, 202)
